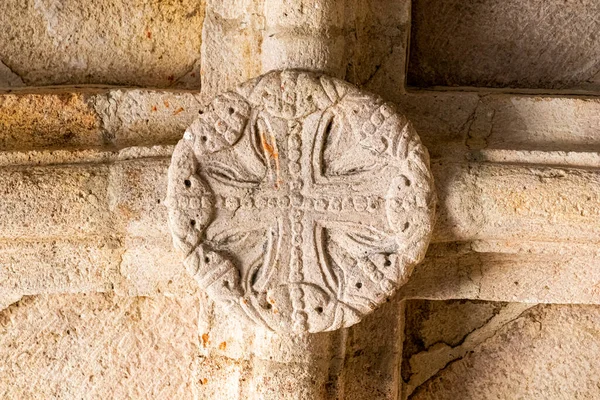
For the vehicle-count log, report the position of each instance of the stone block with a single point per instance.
(498, 43)
(143, 117)
(49, 120)
(54, 201)
(513, 351)
(59, 265)
(98, 346)
(140, 43)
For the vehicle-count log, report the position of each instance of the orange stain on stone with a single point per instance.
(222, 346)
(271, 151)
(205, 339)
(180, 109)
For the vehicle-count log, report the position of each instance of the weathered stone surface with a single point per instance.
(377, 46)
(149, 264)
(89, 227)
(475, 207)
(502, 128)
(48, 120)
(61, 201)
(548, 351)
(519, 271)
(29, 267)
(49, 42)
(537, 44)
(300, 202)
(9, 78)
(85, 171)
(361, 362)
(431, 322)
(438, 333)
(144, 117)
(71, 118)
(231, 38)
(98, 347)
(514, 202)
(362, 42)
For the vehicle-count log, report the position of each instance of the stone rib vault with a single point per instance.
(96, 302)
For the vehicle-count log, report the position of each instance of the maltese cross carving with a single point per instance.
(300, 203)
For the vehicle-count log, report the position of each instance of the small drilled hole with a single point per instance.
(226, 284)
(387, 263)
(319, 310)
(204, 138)
(231, 110)
(206, 260)
(268, 306)
(187, 183)
(358, 285)
(193, 222)
(406, 226)
(200, 112)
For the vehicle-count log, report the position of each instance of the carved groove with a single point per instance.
(301, 202)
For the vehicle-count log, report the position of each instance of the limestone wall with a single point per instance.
(96, 303)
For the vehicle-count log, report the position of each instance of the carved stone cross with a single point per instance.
(300, 202)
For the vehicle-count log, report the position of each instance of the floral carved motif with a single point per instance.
(300, 202)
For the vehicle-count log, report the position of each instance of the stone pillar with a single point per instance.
(359, 363)
(241, 39)
(305, 34)
(329, 241)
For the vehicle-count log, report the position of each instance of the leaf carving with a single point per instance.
(228, 175)
(349, 164)
(361, 240)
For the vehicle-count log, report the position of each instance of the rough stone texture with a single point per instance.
(231, 38)
(546, 351)
(145, 43)
(501, 128)
(533, 239)
(98, 346)
(362, 42)
(93, 118)
(142, 117)
(483, 245)
(51, 42)
(527, 271)
(549, 44)
(361, 362)
(300, 202)
(44, 120)
(9, 78)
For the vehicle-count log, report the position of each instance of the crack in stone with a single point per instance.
(8, 300)
(442, 353)
(8, 77)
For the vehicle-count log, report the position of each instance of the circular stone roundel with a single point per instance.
(301, 203)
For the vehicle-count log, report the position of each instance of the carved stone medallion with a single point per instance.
(300, 202)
